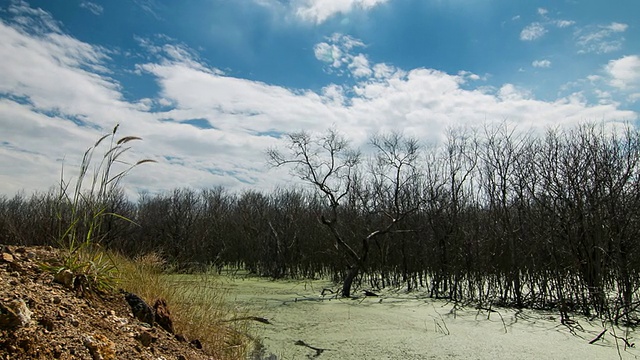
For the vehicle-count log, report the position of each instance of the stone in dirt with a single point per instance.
(14, 314)
(140, 309)
(6, 257)
(100, 347)
(64, 277)
(163, 315)
(146, 338)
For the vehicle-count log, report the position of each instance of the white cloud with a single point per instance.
(564, 23)
(334, 94)
(336, 52)
(467, 75)
(617, 27)
(58, 98)
(330, 54)
(538, 29)
(509, 92)
(318, 11)
(92, 7)
(37, 20)
(346, 42)
(601, 39)
(165, 102)
(533, 31)
(360, 66)
(624, 73)
(541, 63)
(594, 78)
(151, 7)
(53, 69)
(383, 71)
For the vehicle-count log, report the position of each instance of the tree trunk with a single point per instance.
(348, 280)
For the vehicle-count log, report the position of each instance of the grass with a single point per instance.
(82, 209)
(196, 303)
(197, 307)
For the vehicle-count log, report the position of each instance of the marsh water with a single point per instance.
(407, 325)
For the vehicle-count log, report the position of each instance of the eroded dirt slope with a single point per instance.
(59, 323)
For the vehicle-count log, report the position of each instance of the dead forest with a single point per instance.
(495, 217)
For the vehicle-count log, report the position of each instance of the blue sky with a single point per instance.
(209, 84)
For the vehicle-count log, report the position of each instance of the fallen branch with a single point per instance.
(327, 290)
(370, 293)
(598, 337)
(626, 342)
(318, 351)
(254, 318)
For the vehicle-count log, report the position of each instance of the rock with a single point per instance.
(13, 261)
(81, 284)
(145, 338)
(25, 344)
(100, 347)
(6, 257)
(64, 277)
(14, 314)
(196, 344)
(140, 309)
(47, 323)
(57, 352)
(163, 315)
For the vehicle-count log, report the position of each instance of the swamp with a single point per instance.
(407, 325)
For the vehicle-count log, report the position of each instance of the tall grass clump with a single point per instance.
(82, 209)
(197, 306)
(196, 301)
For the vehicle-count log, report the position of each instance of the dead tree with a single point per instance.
(329, 164)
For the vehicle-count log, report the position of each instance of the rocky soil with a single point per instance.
(43, 319)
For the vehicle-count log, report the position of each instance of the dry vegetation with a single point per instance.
(197, 307)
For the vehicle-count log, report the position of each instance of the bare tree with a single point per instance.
(329, 164)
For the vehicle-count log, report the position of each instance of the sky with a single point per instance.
(210, 85)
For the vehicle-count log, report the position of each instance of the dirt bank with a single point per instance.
(58, 323)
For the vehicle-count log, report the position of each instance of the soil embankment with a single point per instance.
(42, 319)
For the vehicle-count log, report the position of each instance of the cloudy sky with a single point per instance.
(211, 84)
